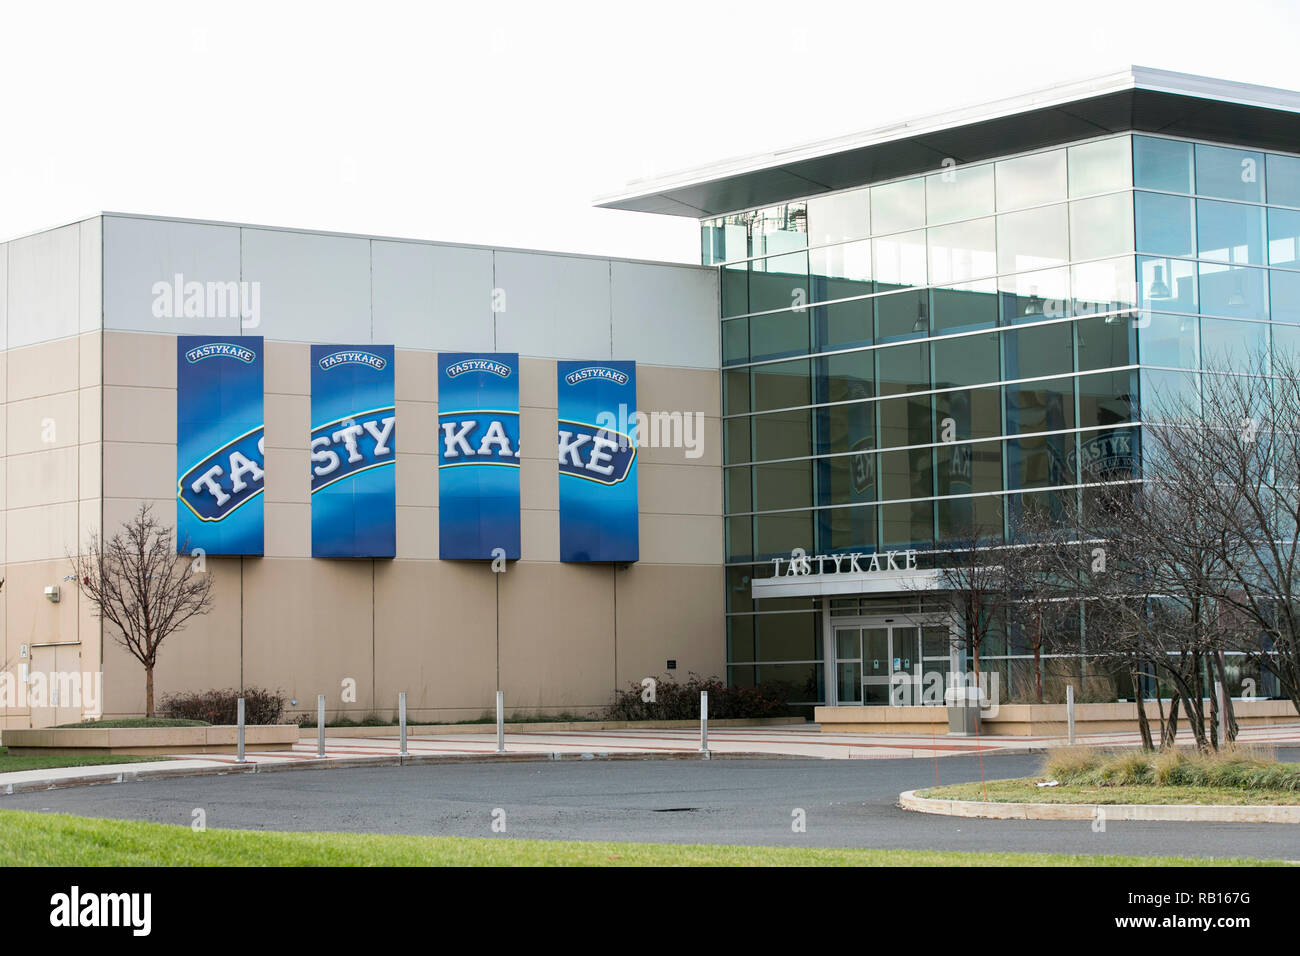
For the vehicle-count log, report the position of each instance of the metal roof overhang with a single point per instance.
(1139, 100)
(816, 585)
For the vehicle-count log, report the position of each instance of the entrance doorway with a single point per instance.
(871, 656)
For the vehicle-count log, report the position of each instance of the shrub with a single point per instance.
(221, 706)
(1232, 769)
(681, 701)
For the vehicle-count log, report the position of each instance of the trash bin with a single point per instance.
(963, 710)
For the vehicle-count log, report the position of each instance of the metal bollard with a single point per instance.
(1069, 710)
(501, 722)
(320, 725)
(239, 752)
(704, 722)
(401, 719)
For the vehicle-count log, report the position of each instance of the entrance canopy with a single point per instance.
(850, 582)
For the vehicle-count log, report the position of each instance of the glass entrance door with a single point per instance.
(869, 661)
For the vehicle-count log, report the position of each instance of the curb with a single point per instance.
(1180, 813)
(356, 763)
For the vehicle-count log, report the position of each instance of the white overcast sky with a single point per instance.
(498, 123)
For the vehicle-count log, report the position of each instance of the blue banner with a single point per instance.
(220, 450)
(478, 455)
(353, 452)
(597, 455)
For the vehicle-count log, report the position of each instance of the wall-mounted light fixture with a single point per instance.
(52, 594)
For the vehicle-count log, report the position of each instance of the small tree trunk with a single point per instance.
(1144, 725)
(1230, 715)
(1170, 734)
(148, 690)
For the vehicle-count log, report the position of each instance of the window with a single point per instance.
(1230, 232)
(1229, 173)
(1284, 238)
(840, 272)
(1283, 180)
(963, 192)
(1031, 180)
(1236, 291)
(1038, 350)
(1169, 340)
(1033, 239)
(1165, 224)
(898, 206)
(843, 216)
(1164, 164)
(1100, 167)
(1101, 227)
(963, 250)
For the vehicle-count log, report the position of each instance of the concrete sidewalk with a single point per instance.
(803, 741)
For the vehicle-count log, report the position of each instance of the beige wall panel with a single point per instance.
(680, 389)
(435, 637)
(90, 465)
(681, 539)
(140, 415)
(288, 476)
(132, 469)
(539, 535)
(30, 617)
(140, 359)
(415, 376)
(39, 424)
(537, 428)
(557, 640)
(89, 517)
(417, 479)
(307, 626)
(539, 484)
(288, 423)
(287, 530)
(417, 428)
(91, 362)
(204, 655)
(90, 419)
(537, 387)
(287, 368)
(118, 511)
(670, 613)
(674, 445)
(45, 369)
(679, 489)
(417, 532)
(41, 534)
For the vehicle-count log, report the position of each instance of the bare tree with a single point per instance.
(137, 582)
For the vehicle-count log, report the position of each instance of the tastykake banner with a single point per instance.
(478, 455)
(597, 458)
(220, 449)
(353, 452)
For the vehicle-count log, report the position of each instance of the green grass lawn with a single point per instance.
(40, 839)
(1023, 790)
(10, 762)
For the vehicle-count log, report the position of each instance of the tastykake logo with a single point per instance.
(480, 438)
(349, 446)
(353, 358)
(478, 365)
(596, 372)
(594, 453)
(225, 480)
(220, 350)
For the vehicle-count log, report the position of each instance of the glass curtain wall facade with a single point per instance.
(908, 359)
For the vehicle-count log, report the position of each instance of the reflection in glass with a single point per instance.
(1034, 296)
(964, 307)
(1038, 461)
(841, 530)
(781, 385)
(1038, 350)
(900, 260)
(786, 484)
(963, 192)
(1229, 173)
(777, 333)
(1105, 286)
(778, 282)
(1102, 226)
(1230, 232)
(1100, 167)
(776, 535)
(968, 413)
(1165, 224)
(1232, 346)
(1107, 399)
(903, 368)
(840, 272)
(963, 250)
(1284, 238)
(845, 215)
(1031, 180)
(1033, 239)
(1237, 291)
(1169, 340)
(1284, 296)
(902, 315)
(1106, 342)
(1168, 284)
(1040, 406)
(967, 360)
(1283, 180)
(898, 206)
(1168, 395)
(784, 434)
(1162, 164)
